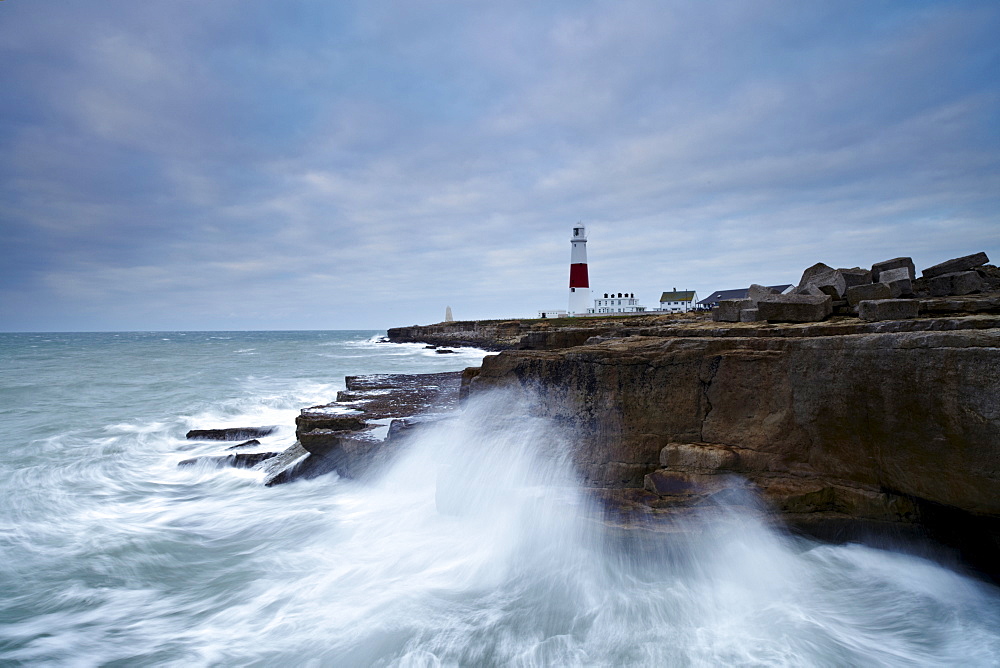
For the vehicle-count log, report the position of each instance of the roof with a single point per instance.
(719, 295)
(677, 296)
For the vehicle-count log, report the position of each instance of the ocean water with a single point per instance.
(474, 548)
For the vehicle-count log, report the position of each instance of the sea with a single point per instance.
(474, 546)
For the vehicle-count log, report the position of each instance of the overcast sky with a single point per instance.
(309, 164)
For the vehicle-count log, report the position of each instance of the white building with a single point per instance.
(621, 302)
(553, 313)
(678, 301)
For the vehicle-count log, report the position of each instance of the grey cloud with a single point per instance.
(245, 165)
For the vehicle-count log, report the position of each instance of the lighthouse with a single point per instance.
(579, 281)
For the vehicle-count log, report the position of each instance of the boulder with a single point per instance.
(957, 264)
(756, 292)
(728, 310)
(888, 309)
(895, 263)
(856, 276)
(749, 315)
(795, 308)
(958, 283)
(900, 287)
(829, 280)
(809, 289)
(818, 269)
(889, 275)
(859, 293)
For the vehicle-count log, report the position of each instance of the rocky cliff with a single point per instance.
(895, 422)
(533, 334)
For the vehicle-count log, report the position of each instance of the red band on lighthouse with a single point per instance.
(578, 277)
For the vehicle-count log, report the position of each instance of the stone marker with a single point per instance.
(749, 315)
(888, 309)
(728, 310)
(795, 308)
(958, 264)
(894, 263)
(859, 293)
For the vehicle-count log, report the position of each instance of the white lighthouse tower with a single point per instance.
(579, 281)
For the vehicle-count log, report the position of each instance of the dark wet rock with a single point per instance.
(230, 433)
(349, 443)
(243, 460)
(295, 463)
(444, 351)
(245, 444)
(315, 417)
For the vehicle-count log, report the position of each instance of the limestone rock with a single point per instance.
(310, 419)
(795, 308)
(959, 283)
(856, 276)
(809, 289)
(965, 263)
(888, 309)
(895, 263)
(900, 287)
(853, 411)
(728, 310)
(827, 279)
(675, 483)
(858, 293)
(698, 457)
(757, 292)
(749, 315)
(811, 273)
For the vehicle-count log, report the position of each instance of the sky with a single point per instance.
(307, 164)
